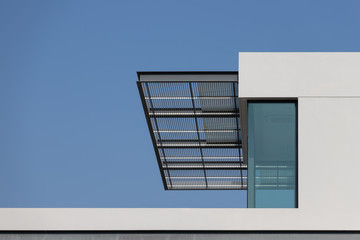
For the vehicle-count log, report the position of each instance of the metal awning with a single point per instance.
(195, 128)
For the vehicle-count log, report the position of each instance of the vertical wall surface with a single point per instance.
(327, 86)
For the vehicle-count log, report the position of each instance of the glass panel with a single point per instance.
(272, 158)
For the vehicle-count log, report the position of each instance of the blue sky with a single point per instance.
(72, 128)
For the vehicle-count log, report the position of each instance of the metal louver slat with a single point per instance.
(196, 134)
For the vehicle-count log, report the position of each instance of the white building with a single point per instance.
(285, 127)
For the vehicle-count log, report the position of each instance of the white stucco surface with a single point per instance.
(290, 74)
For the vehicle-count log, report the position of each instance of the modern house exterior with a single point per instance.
(284, 127)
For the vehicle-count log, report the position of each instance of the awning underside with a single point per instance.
(196, 129)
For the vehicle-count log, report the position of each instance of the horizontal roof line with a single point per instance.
(184, 73)
(201, 157)
(208, 177)
(192, 168)
(200, 130)
(215, 145)
(208, 186)
(189, 98)
(202, 162)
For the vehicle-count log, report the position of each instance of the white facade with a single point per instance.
(327, 86)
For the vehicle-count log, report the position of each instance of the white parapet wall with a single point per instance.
(299, 74)
(327, 86)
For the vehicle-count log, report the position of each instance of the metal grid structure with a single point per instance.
(196, 134)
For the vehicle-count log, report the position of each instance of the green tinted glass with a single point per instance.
(272, 157)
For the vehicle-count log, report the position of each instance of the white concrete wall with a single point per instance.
(299, 74)
(328, 87)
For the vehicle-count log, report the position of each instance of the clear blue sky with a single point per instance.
(72, 128)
